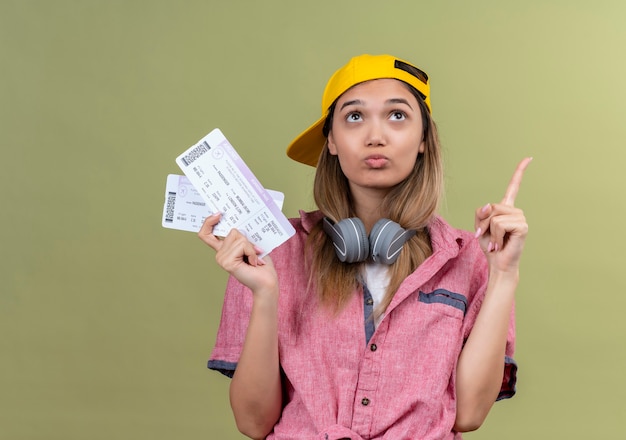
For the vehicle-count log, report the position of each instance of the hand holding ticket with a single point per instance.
(226, 184)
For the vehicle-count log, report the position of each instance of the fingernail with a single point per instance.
(489, 247)
(478, 232)
(260, 262)
(485, 208)
(495, 247)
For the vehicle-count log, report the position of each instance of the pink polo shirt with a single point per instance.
(342, 377)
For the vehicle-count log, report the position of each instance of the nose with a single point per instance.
(376, 135)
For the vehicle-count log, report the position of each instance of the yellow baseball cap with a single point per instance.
(307, 147)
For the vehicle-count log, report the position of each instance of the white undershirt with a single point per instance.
(377, 279)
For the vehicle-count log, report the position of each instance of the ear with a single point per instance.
(422, 147)
(330, 142)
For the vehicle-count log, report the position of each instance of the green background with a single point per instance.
(107, 319)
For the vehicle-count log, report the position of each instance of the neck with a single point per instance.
(367, 204)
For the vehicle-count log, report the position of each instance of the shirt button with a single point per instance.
(365, 401)
(373, 347)
(369, 301)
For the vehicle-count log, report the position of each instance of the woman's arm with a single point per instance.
(481, 364)
(256, 389)
(501, 229)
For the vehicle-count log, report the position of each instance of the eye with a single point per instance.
(397, 115)
(353, 117)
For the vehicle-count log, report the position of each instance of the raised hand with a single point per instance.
(239, 257)
(501, 227)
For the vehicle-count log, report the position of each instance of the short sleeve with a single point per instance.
(480, 278)
(232, 329)
(509, 379)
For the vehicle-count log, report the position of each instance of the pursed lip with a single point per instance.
(376, 160)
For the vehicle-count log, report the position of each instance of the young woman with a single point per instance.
(377, 320)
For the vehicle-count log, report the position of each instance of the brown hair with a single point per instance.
(412, 204)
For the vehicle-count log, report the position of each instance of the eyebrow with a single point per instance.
(389, 101)
(399, 101)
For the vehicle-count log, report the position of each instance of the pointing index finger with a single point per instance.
(516, 181)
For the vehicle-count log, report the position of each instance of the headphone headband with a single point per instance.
(352, 245)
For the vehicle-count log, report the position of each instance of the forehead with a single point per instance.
(378, 90)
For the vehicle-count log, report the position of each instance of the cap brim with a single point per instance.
(306, 148)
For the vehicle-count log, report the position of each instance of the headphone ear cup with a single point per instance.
(349, 238)
(386, 240)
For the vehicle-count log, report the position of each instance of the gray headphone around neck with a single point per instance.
(352, 244)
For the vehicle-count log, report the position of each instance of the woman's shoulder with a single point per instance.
(459, 248)
(294, 246)
(444, 235)
(306, 221)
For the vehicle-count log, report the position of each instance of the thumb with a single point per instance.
(206, 231)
